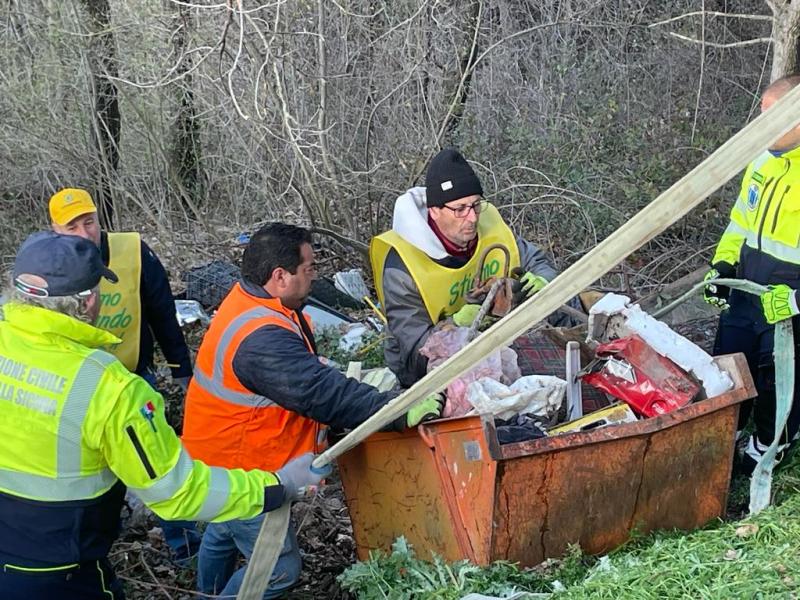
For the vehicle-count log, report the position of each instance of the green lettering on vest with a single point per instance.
(466, 285)
(490, 269)
(110, 299)
(120, 319)
(454, 293)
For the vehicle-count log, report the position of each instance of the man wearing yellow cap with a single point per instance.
(141, 307)
(138, 309)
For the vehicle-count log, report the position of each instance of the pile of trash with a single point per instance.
(644, 368)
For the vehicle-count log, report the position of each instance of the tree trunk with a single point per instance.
(785, 37)
(185, 153)
(106, 117)
(467, 64)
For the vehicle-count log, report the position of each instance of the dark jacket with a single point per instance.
(274, 362)
(159, 322)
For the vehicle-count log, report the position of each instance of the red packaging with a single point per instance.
(639, 376)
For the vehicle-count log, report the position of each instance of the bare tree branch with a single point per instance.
(741, 44)
(711, 13)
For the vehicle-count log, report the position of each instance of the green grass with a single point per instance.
(757, 557)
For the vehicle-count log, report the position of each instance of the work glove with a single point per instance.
(299, 478)
(425, 410)
(779, 303)
(182, 382)
(530, 282)
(717, 295)
(466, 315)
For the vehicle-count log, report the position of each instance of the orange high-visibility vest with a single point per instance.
(227, 425)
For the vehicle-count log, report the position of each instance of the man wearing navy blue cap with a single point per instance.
(50, 265)
(78, 428)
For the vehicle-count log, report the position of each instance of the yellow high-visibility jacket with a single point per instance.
(763, 235)
(76, 426)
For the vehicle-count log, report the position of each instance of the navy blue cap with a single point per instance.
(52, 264)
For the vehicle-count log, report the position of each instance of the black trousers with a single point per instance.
(94, 580)
(743, 328)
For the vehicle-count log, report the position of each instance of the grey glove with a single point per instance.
(182, 382)
(298, 477)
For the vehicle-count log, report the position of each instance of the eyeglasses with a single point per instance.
(461, 212)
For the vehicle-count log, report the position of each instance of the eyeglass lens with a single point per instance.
(463, 211)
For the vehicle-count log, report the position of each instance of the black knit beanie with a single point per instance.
(449, 178)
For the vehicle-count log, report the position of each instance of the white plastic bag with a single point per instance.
(540, 395)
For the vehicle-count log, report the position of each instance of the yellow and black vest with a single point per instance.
(442, 288)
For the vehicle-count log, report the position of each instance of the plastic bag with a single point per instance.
(446, 340)
(540, 395)
(189, 311)
(649, 383)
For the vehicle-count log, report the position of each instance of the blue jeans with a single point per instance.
(181, 536)
(216, 563)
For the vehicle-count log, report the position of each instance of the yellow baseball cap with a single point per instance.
(69, 203)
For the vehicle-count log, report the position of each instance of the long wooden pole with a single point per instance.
(729, 159)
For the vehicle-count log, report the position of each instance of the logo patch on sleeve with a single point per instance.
(752, 196)
(148, 411)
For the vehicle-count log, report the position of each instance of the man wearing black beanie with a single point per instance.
(429, 259)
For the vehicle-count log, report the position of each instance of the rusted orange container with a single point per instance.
(450, 488)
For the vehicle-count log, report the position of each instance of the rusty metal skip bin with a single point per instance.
(451, 489)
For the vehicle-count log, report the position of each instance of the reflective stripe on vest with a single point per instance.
(784, 252)
(168, 486)
(170, 483)
(218, 490)
(214, 383)
(68, 483)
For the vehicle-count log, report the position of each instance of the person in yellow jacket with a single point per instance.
(78, 427)
(428, 261)
(762, 244)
